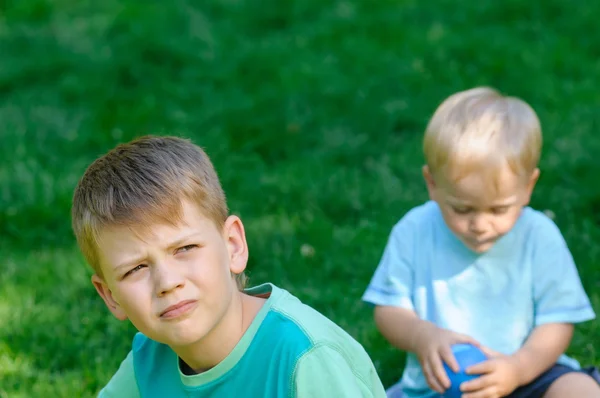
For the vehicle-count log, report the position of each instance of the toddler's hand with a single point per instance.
(499, 377)
(432, 346)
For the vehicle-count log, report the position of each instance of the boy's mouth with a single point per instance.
(178, 309)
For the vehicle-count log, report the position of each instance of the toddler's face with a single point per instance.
(174, 283)
(477, 214)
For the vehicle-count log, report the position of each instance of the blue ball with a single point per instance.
(466, 355)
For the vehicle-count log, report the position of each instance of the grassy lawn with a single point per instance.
(313, 114)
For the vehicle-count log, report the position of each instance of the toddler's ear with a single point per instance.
(106, 294)
(429, 181)
(531, 184)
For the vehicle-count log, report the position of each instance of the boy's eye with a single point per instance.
(186, 248)
(133, 270)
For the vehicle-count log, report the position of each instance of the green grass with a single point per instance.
(312, 112)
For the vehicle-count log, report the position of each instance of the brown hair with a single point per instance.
(142, 183)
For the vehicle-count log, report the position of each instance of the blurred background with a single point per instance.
(313, 113)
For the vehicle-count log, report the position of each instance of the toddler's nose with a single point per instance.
(477, 225)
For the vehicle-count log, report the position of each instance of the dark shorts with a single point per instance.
(538, 387)
(535, 389)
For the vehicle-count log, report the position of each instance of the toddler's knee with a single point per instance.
(574, 385)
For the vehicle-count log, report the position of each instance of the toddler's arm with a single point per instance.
(400, 326)
(432, 345)
(542, 349)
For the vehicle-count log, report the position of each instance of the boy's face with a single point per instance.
(477, 215)
(174, 284)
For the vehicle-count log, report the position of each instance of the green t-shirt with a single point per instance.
(289, 350)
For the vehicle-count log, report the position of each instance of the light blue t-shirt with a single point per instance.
(528, 278)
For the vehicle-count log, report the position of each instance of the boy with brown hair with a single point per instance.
(476, 265)
(151, 219)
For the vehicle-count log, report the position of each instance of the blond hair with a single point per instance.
(142, 183)
(480, 129)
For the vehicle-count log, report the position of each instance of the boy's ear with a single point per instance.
(235, 237)
(429, 181)
(106, 294)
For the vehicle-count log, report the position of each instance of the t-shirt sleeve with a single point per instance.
(557, 289)
(325, 372)
(392, 282)
(122, 384)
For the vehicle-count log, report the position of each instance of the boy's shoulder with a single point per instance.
(332, 360)
(306, 320)
(123, 383)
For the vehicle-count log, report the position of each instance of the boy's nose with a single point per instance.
(167, 279)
